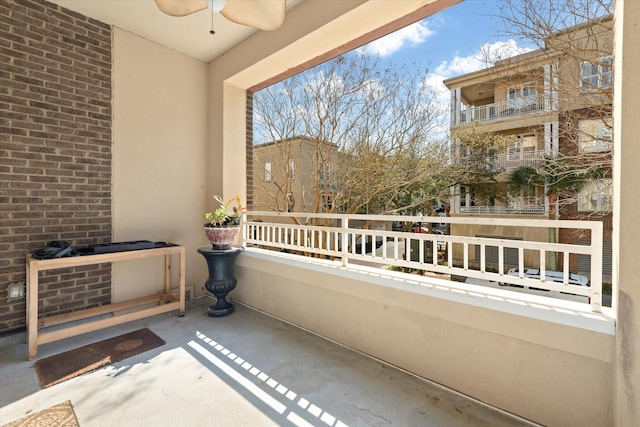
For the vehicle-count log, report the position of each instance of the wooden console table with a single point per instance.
(135, 308)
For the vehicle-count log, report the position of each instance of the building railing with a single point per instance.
(504, 210)
(500, 162)
(345, 238)
(504, 109)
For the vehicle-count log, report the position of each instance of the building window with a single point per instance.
(596, 196)
(327, 203)
(292, 168)
(267, 172)
(523, 96)
(523, 147)
(596, 135)
(597, 74)
(323, 171)
(525, 201)
(290, 203)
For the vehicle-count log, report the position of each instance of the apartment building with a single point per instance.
(545, 113)
(294, 175)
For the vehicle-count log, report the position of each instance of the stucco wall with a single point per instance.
(547, 372)
(159, 157)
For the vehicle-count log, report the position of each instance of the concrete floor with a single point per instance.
(246, 369)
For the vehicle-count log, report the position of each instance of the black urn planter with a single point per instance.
(221, 280)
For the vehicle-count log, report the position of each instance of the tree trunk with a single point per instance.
(552, 257)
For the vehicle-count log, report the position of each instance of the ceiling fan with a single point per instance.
(262, 14)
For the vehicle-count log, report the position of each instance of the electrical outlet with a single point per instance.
(15, 291)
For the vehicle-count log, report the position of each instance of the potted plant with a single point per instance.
(224, 223)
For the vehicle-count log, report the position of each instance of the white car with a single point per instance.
(533, 273)
(551, 276)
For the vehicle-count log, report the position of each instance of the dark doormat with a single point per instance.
(60, 415)
(64, 366)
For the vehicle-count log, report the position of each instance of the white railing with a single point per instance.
(345, 238)
(504, 109)
(502, 162)
(504, 210)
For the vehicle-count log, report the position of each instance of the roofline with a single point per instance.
(293, 138)
(582, 25)
(503, 65)
(512, 61)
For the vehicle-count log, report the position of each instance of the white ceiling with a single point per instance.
(188, 34)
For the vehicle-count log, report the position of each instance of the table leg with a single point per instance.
(182, 279)
(32, 308)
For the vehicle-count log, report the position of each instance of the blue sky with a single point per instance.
(449, 43)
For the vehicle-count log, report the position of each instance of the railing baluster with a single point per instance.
(521, 260)
(336, 240)
(596, 267)
(345, 241)
(466, 256)
(395, 249)
(434, 245)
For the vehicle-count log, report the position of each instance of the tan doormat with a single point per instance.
(60, 415)
(70, 364)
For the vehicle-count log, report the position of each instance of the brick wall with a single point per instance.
(55, 157)
(568, 145)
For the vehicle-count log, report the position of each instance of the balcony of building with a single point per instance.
(328, 279)
(534, 208)
(509, 109)
(325, 311)
(468, 204)
(247, 369)
(508, 160)
(549, 360)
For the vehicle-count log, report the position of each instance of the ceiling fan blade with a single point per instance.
(182, 7)
(262, 14)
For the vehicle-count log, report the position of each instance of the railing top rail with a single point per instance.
(510, 222)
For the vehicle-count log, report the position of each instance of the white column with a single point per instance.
(234, 151)
(455, 106)
(550, 86)
(626, 229)
(551, 138)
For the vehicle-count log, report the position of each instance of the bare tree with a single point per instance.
(366, 139)
(575, 42)
(576, 37)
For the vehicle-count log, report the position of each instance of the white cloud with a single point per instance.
(486, 56)
(458, 65)
(414, 34)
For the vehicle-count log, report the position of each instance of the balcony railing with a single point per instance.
(501, 162)
(337, 236)
(537, 209)
(504, 109)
